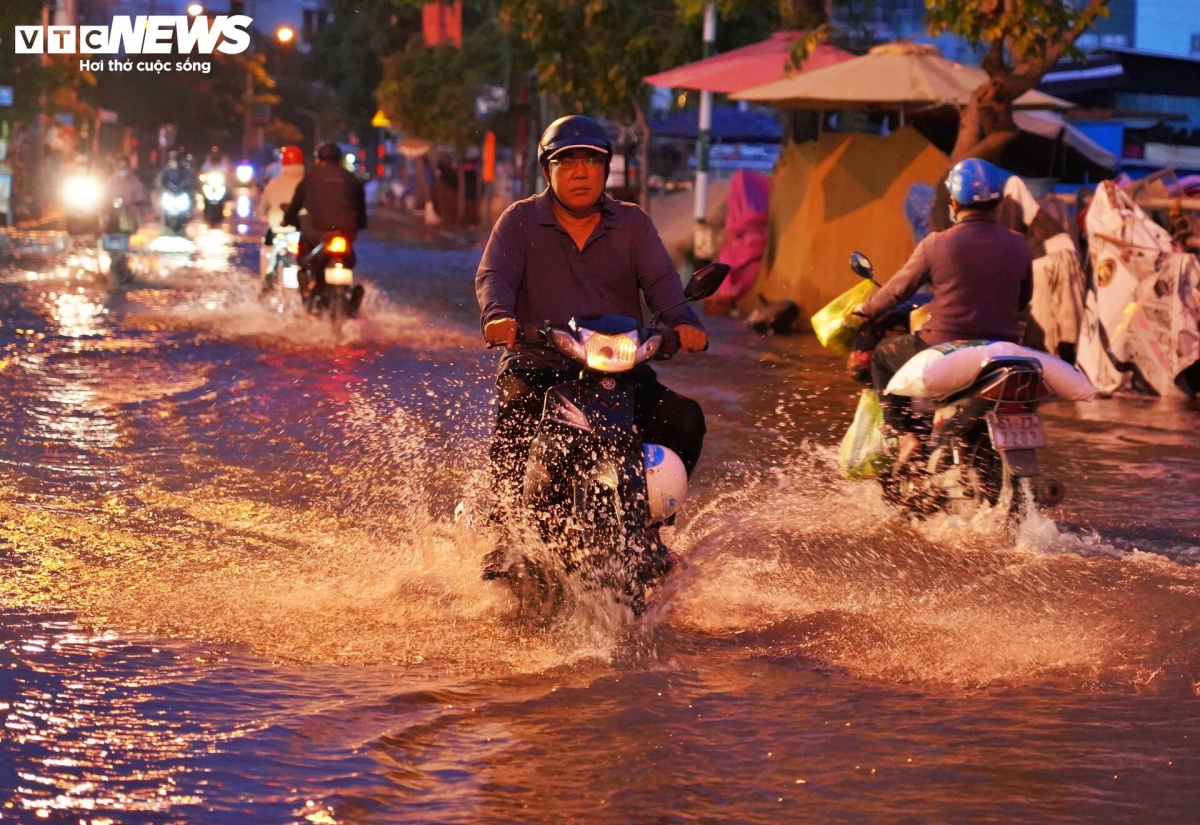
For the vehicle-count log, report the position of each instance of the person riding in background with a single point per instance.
(275, 198)
(335, 202)
(215, 162)
(981, 275)
(126, 187)
(175, 176)
(574, 251)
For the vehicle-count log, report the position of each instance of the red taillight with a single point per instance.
(1022, 386)
(337, 244)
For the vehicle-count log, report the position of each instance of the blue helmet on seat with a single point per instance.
(973, 181)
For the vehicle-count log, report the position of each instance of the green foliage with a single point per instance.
(59, 78)
(592, 54)
(349, 55)
(430, 92)
(281, 133)
(206, 108)
(1029, 29)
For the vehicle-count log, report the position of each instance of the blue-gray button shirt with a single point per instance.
(532, 270)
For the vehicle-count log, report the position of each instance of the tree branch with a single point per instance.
(1031, 71)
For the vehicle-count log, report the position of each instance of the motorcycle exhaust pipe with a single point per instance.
(1051, 492)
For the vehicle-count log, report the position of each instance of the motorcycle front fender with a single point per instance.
(586, 433)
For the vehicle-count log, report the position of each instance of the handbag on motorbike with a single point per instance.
(863, 452)
(835, 323)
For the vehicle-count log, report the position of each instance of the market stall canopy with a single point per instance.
(729, 124)
(746, 67)
(901, 75)
(1051, 126)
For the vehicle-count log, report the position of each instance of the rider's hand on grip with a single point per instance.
(692, 339)
(501, 332)
(670, 345)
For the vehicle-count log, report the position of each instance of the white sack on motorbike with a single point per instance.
(945, 369)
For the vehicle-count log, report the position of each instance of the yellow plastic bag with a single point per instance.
(835, 324)
(864, 452)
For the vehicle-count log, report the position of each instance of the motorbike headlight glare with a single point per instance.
(245, 173)
(81, 192)
(611, 353)
(568, 345)
(215, 179)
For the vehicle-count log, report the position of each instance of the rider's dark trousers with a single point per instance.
(886, 361)
(662, 417)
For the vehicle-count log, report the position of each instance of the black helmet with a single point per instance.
(573, 132)
(329, 152)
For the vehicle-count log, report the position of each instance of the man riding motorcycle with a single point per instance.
(574, 251)
(275, 197)
(981, 275)
(175, 174)
(125, 200)
(335, 202)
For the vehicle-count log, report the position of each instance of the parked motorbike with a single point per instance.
(593, 490)
(979, 444)
(176, 208)
(327, 279)
(212, 187)
(81, 203)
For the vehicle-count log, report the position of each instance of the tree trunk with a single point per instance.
(643, 156)
(986, 125)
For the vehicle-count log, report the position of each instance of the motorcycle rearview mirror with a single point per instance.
(861, 265)
(706, 281)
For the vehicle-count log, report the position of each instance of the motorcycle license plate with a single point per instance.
(339, 276)
(1016, 432)
(115, 242)
(291, 277)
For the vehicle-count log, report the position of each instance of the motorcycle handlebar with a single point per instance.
(535, 335)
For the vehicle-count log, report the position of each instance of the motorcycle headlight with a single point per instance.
(568, 345)
(81, 192)
(611, 353)
(245, 173)
(215, 180)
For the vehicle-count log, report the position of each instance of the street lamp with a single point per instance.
(285, 34)
(195, 9)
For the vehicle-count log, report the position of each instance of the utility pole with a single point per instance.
(702, 237)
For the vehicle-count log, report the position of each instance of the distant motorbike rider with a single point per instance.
(276, 196)
(215, 162)
(574, 251)
(126, 188)
(176, 175)
(335, 202)
(981, 275)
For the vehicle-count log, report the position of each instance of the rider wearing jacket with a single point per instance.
(175, 176)
(335, 202)
(572, 251)
(126, 187)
(981, 275)
(276, 195)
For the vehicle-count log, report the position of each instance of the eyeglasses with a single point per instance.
(589, 161)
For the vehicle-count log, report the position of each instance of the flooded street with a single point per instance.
(232, 589)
